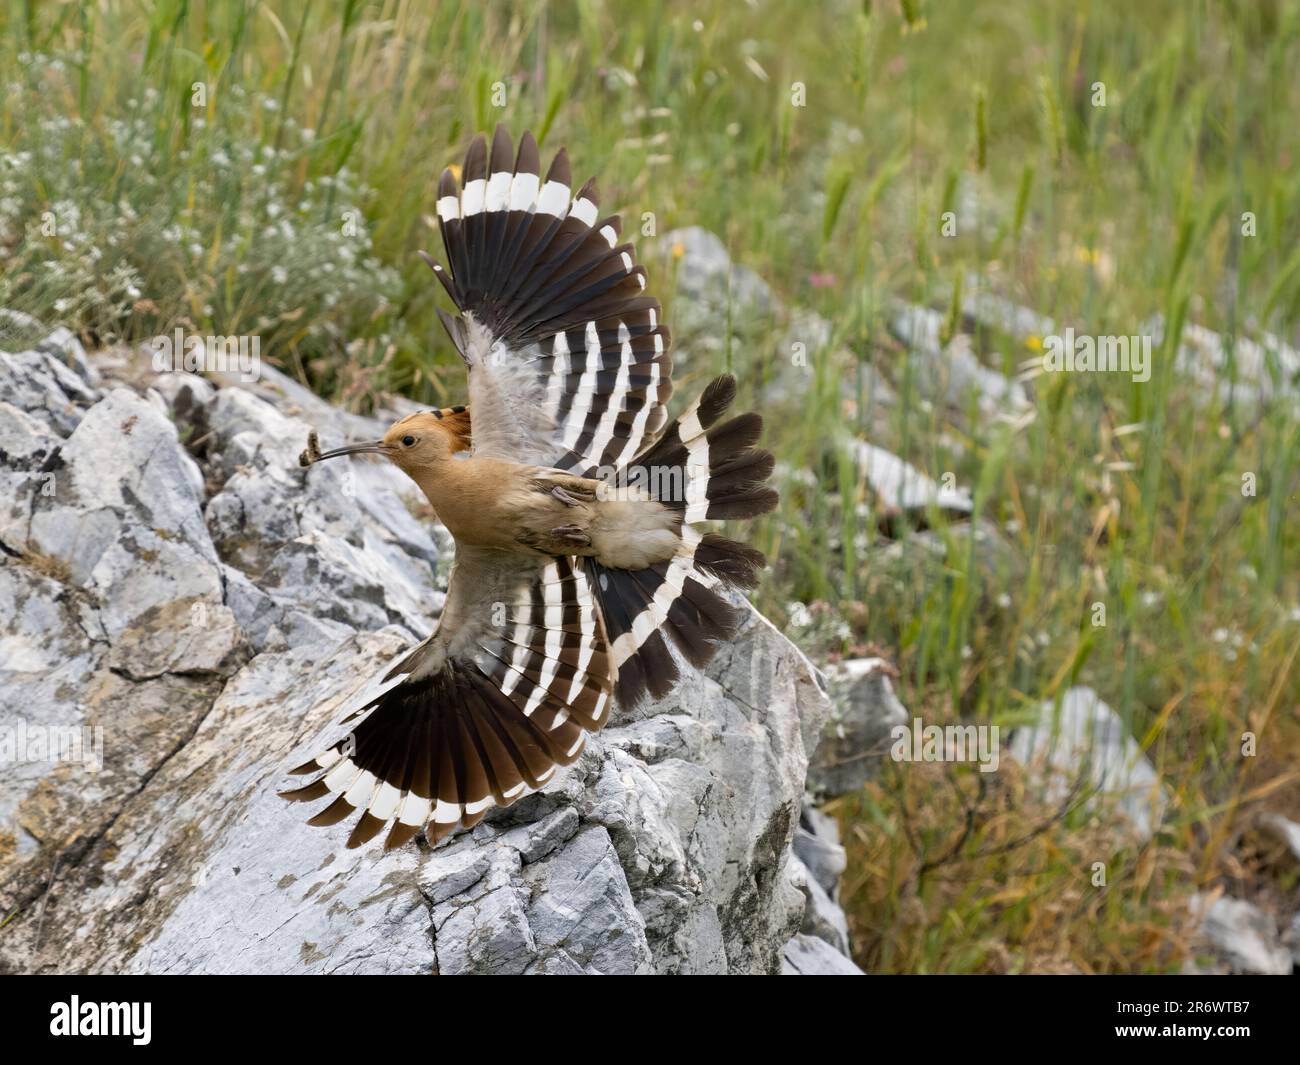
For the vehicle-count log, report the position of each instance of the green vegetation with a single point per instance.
(233, 166)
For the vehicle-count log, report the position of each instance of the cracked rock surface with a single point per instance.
(190, 607)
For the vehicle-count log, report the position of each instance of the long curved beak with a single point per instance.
(374, 447)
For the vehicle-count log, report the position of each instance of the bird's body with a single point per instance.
(576, 513)
(534, 510)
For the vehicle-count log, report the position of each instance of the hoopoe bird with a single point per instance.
(578, 515)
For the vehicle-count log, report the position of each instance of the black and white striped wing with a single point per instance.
(568, 356)
(481, 713)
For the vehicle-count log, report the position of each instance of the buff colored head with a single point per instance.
(418, 441)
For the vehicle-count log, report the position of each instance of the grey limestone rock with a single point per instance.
(192, 607)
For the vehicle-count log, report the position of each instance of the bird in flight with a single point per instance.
(579, 516)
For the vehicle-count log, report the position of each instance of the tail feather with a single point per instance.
(680, 601)
(730, 560)
(725, 474)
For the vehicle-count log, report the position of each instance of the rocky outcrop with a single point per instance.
(190, 607)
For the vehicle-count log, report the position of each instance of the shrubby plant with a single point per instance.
(128, 227)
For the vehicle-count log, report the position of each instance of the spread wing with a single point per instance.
(568, 359)
(505, 690)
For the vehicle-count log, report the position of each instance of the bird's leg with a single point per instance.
(567, 488)
(572, 534)
(565, 497)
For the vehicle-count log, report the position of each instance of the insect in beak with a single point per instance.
(313, 454)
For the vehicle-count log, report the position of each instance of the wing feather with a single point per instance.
(559, 335)
(480, 714)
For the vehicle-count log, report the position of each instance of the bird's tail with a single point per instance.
(722, 476)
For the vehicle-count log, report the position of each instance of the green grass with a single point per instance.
(231, 216)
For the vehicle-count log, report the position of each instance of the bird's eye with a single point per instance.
(407, 441)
